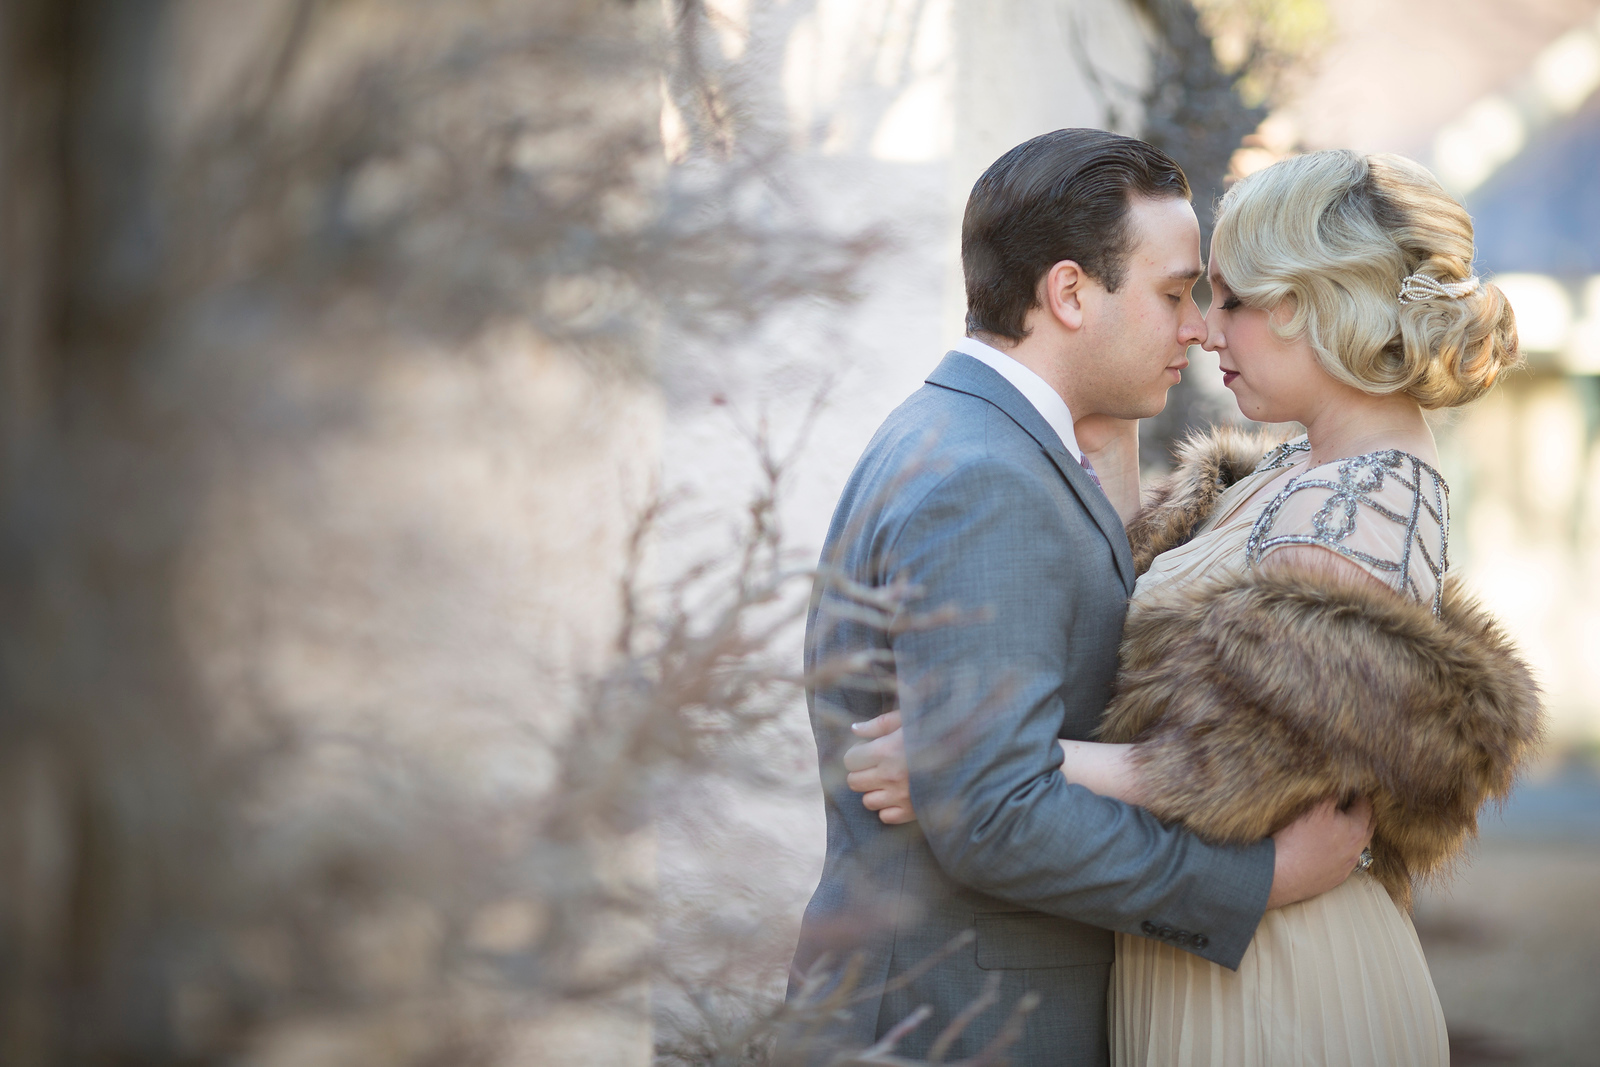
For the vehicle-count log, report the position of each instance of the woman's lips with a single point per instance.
(1228, 376)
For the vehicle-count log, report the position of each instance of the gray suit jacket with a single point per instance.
(967, 495)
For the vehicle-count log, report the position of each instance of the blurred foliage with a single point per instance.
(1194, 112)
(1221, 65)
(1263, 42)
(222, 224)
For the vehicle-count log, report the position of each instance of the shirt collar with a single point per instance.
(1045, 400)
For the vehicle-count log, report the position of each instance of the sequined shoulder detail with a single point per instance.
(1285, 455)
(1391, 486)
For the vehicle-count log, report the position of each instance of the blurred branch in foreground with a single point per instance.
(328, 337)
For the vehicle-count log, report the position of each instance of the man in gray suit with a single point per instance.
(1080, 251)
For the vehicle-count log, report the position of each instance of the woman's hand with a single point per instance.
(1098, 433)
(1112, 448)
(877, 767)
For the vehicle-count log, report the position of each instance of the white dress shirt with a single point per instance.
(1045, 400)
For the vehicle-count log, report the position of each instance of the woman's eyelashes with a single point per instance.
(1230, 304)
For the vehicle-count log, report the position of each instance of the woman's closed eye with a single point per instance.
(1230, 304)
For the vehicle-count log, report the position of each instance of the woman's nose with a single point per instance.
(1214, 340)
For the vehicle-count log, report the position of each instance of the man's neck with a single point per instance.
(1038, 357)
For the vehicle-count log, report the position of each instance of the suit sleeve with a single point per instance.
(982, 706)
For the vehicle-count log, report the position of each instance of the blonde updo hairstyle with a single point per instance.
(1338, 232)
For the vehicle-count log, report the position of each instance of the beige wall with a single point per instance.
(894, 108)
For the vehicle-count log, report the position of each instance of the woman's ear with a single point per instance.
(1063, 291)
(1283, 312)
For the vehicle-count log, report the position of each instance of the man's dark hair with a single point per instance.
(1062, 195)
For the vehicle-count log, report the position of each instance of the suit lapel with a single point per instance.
(964, 374)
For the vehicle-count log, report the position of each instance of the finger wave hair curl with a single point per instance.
(1339, 232)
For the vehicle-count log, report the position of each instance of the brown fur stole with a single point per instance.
(1254, 696)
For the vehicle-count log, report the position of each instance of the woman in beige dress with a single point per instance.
(1293, 636)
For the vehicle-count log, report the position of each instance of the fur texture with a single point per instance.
(1254, 696)
(1208, 463)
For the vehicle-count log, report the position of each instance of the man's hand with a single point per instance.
(878, 769)
(1318, 851)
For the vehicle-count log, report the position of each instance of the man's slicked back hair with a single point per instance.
(1062, 195)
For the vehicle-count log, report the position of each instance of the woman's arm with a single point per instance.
(1318, 562)
(1313, 854)
(1101, 768)
(877, 769)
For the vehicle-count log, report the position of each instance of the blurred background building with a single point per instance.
(1500, 100)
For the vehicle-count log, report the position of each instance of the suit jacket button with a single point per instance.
(1147, 927)
(1165, 932)
(1201, 941)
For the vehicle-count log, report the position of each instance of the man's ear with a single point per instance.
(1062, 293)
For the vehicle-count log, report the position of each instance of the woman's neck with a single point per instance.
(1352, 423)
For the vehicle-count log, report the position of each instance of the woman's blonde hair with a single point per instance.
(1339, 232)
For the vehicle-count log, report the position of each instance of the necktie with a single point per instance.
(1093, 477)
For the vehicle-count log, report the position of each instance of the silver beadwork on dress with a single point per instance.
(1285, 455)
(1355, 485)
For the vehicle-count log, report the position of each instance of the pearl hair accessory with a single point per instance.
(1419, 287)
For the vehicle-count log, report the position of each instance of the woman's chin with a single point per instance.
(1250, 409)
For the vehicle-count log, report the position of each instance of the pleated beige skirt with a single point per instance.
(1337, 981)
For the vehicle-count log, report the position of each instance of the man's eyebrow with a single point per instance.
(1186, 275)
